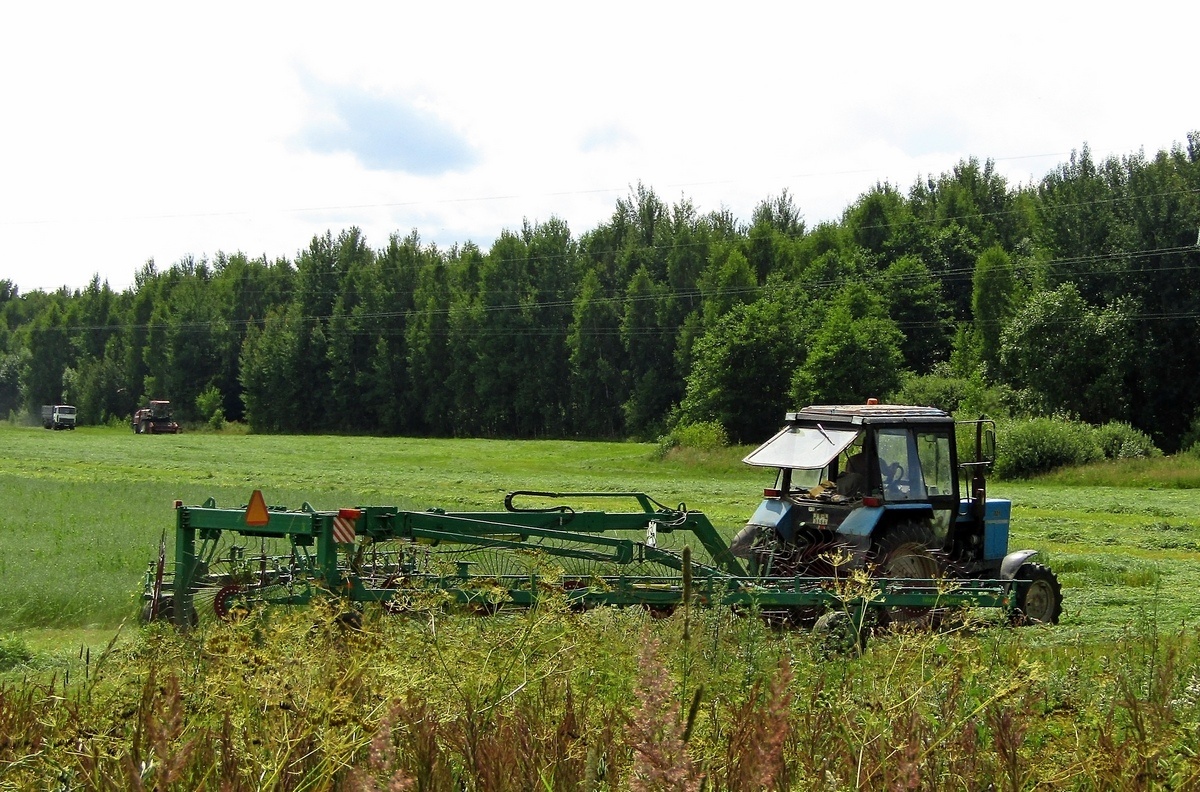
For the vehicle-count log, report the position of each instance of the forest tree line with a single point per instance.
(1078, 294)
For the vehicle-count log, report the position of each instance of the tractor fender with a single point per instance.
(777, 514)
(863, 521)
(1012, 562)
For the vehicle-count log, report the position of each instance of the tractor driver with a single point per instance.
(852, 481)
(894, 464)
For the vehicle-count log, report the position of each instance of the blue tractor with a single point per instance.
(885, 488)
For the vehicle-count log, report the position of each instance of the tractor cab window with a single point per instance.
(899, 466)
(799, 480)
(933, 450)
(813, 460)
(852, 470)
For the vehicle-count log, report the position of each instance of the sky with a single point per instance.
(139, 131)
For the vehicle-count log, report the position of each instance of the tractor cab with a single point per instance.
(843, 468)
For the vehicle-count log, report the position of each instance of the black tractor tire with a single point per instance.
(1038, 595)
(905, 553)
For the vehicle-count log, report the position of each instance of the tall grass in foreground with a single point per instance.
(604, 700)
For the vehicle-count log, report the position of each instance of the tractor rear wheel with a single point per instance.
(1039, 595)
(904, 554)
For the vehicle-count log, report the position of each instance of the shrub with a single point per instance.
(13, 652)
(209, 404)
(966, 396)
(1121, 441)
(235, 428)
(700, 436)
(1027, 448)
(1190, 442)
(945, 393)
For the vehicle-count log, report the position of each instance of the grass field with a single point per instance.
(83, 511)
(291, 701)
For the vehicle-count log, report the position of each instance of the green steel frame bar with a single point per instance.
(581, 534)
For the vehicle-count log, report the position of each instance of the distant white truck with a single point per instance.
(58, 416)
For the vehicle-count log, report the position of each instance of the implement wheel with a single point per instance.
(1039, 595)
(230, 604)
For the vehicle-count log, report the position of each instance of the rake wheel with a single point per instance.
(229, 603)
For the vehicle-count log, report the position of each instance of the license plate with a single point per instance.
(820, 518)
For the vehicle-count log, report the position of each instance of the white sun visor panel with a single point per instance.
(806, 447)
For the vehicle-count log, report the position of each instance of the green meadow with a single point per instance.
(551, 699)
(83, 511)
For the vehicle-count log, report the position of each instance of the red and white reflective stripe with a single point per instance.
(343, 530)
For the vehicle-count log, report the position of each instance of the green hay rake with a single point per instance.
(231, 560)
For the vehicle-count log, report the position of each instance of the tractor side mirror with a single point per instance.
(988, 452)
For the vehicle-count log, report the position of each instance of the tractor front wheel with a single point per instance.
(1039, 595)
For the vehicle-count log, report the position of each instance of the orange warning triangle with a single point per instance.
(256, 512)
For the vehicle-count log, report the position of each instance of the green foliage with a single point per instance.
(10, 383)
(728, 281)
(549, 334)
(13, 652)
(1121, 441)
(596, 382)
(702, 436)
(877, 220)
(774, 226)
(609, 699)
(208, 403)
(1029, 447)
(1190, 441)
(992, 303)
(268, 373)
(649, 350)
(49, 356)
(1068, 356)
(966, 397)
(915, 304)
(855, 355)
(743, 364)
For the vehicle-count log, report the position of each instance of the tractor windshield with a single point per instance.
(802, 447)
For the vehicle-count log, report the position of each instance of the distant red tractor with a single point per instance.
(155, 419)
